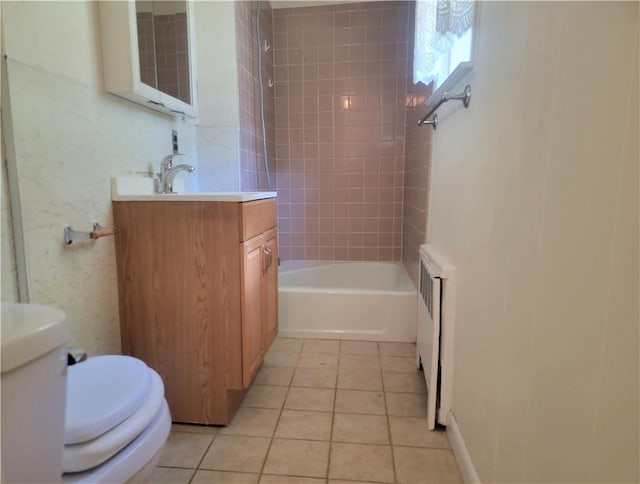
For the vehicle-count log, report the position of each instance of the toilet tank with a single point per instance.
(34, 380)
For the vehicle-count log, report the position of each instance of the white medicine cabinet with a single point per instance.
(149, 54)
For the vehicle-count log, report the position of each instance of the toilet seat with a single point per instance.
(78, 457)
(101, 393)
(138, 457)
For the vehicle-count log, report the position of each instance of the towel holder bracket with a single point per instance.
(464, 96)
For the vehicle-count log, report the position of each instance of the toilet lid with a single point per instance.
(87, 455)
(101, 393)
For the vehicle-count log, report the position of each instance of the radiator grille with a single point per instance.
(426, 287)
(434, 340)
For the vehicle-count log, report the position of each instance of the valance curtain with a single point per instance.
(438, 24)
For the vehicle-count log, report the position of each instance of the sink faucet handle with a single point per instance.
(167, 161)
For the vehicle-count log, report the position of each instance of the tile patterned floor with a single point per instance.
(320, 411)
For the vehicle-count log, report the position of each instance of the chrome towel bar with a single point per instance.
(98, 231)
(465, 97)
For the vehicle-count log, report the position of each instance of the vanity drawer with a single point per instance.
(256, 217)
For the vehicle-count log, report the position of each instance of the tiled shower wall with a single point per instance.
(254, 174)
(417, 169)
(340, 91)
(416, 179)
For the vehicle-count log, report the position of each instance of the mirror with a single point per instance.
(148, 53)
(163, 46)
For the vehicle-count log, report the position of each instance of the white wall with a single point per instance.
(534, 195)
(219, 120)
(9, 287)
(70, 138)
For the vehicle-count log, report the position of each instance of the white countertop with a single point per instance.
(142, 190)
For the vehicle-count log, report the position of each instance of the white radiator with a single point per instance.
(435, 331)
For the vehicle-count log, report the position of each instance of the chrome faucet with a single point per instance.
(168, 173)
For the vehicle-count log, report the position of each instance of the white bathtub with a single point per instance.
(373, 301)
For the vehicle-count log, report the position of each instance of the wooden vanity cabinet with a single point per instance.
(198, 297)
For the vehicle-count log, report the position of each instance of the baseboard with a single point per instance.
(469, 474)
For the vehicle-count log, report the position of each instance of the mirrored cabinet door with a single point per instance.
(148, 53)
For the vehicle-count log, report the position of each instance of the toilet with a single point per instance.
(102, 420)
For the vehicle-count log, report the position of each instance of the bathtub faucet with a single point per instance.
(168, 172)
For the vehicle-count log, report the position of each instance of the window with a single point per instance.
(443, 42)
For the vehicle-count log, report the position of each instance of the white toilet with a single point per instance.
(102, 420)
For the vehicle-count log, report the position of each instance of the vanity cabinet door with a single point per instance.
(259, 300)
(251, 289)
(270, 289)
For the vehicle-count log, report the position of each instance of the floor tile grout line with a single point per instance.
(193, 474)
(275, 428)
(376, 444)
(340, 353)
(299, 476)
(386, 409)
(203, 456)
(333, 413)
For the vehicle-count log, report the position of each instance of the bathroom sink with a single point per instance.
(142, 190)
